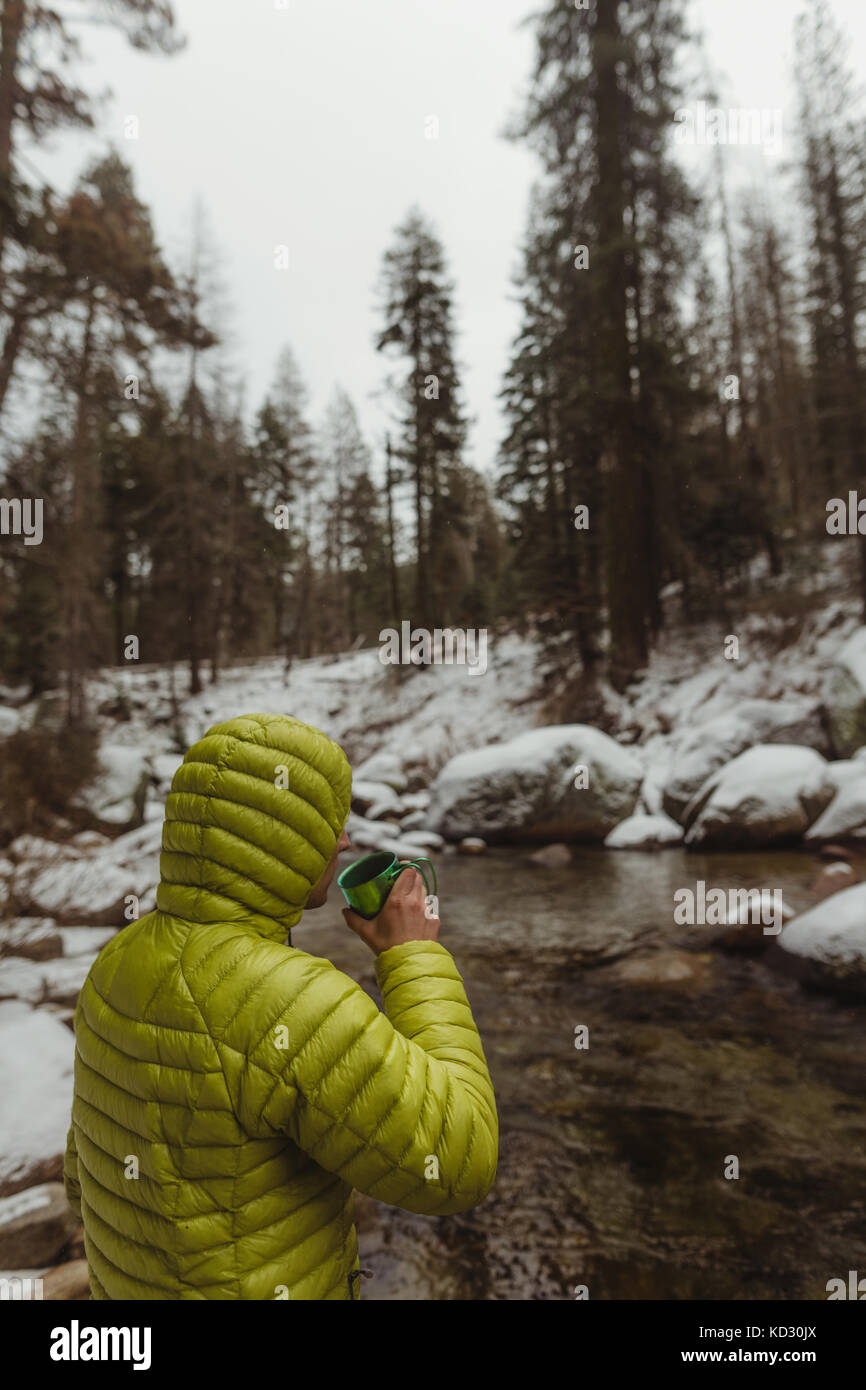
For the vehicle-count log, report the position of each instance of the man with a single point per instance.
(231, 1091)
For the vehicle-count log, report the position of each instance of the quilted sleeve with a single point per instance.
(70, 1174)
(400, 1104)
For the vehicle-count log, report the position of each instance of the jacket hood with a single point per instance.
(255, 812)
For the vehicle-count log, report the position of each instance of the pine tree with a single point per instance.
(36, 98)
(834, 191)
(613, 243)
(417, 310)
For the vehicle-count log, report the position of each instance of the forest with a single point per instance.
(684, 395)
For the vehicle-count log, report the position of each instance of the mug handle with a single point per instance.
(416, 864)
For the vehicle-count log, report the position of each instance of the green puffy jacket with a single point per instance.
(230, 1090)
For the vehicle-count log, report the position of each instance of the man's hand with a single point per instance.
(402, 918)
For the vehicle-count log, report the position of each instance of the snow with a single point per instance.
(424, 839)
(531, 750)
(769, 793)
(756, 905)
(85, 941)
(36, 1067)
(566, 781)
(387, 767)
(833, 932)
(58, 980)
(852, 658)
(374, 793)
(114, 794)
(645, 832)
(846, 814)
(10, 721)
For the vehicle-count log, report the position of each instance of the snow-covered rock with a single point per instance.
(565, 782)
(701, 751)
(424, 839)
(366, 793)
(11, 720)
(405, 849)
(845, 817)
(33, 938)
(380, 809)
(416, 820)
(58, 981)
(829, 941)
(163, 766)
(91, 889)
(551, 857)
(85, 941)
(375, 835)
(35, 1225)
(769, 795)
(117, 795)
(416, 801)
(754, 906)
(645, 832)
(36, 1063)
(385, 766)
(846, 695)
(87, 840)
(32, 849)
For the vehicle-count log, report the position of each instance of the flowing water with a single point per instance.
(613, 1157)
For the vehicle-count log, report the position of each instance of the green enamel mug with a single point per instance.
(366, 884)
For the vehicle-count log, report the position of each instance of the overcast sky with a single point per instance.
(304, 125)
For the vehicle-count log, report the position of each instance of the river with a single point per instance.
(613, 1157)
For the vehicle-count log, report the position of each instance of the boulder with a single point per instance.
(35, 1225)
(566, 782)
(36, 1066)
(829, 942)
(11, 720)
(59, 981)
(845, 817)
(751, 925)
(472, 845)
(416, 820)
(385, 766)
(85, 941)
(32, 849)
(645, 832)
(416, 801)
(424, 839)
(701, 751)
(34, 938)
(366, 793)
(405, 849)
(832, 879)
(163, 766)
(87, 840)
(664, 970)
(116, 797)
(769, 795)
(381, 810)
(551, 857)
(371, 834)
(91, 889)
(67, 1283)
(86, 891)
(846, 695)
